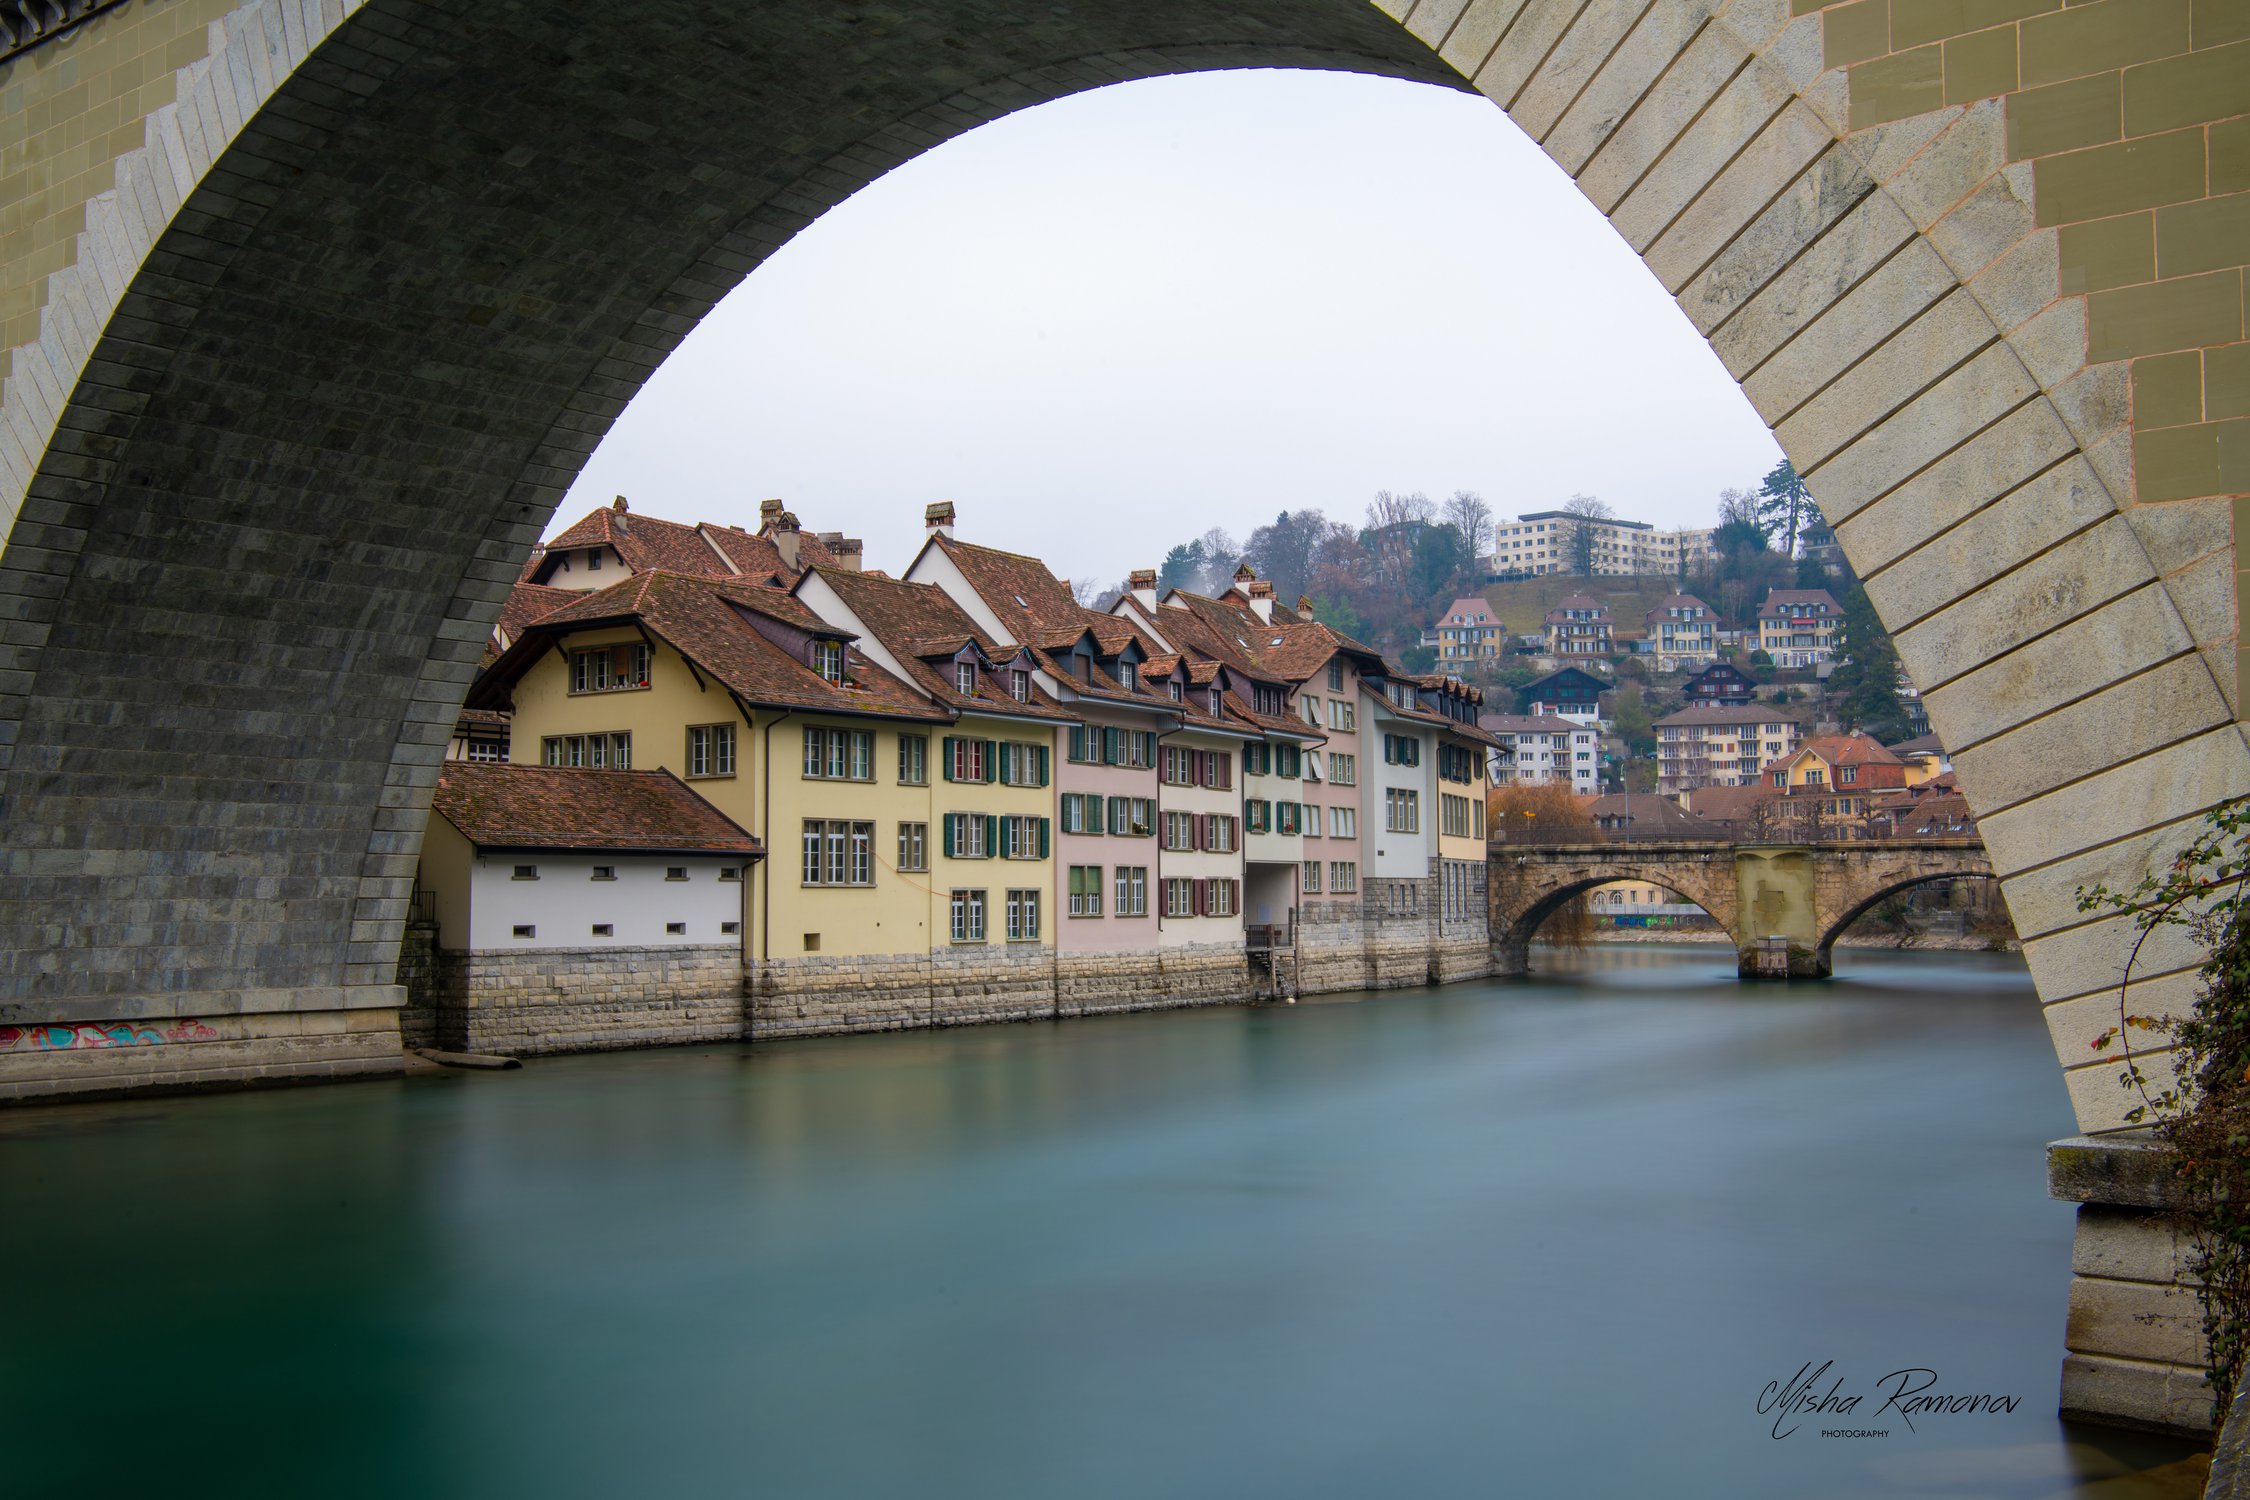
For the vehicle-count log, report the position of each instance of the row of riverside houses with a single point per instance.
(715, 784)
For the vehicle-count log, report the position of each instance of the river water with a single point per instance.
(1545, 1238)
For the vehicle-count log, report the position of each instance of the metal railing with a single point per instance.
(24, 24)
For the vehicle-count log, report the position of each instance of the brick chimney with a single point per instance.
(938, 518)
(1141, 584)
(1305, 605)
(769, 511)
(848, 550)
(618, 508)
(1261, 598)
(785, 538)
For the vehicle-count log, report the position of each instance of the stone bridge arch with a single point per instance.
(1526, 885)
(321, 303)
(1858, 898)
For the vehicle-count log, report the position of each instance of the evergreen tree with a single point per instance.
(1785, 506)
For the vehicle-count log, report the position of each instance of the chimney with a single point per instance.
(938, 518)
(1243, 574)
(1141, 584)
(1305, 605)
(769, 511)
(1261, 599)
(618, 507)
(785, 538)
(848, 549)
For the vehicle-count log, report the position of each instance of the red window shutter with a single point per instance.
(1202, 897)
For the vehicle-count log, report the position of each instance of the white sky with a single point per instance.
(1107, 324)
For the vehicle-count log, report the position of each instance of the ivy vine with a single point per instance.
(2202, 1112)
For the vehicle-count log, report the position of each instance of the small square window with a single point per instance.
(676, 929)
(730, 872)
(527, 931)
(812, 942)
(675, 872)
(526, 872)
(605, 872)
(604, 929)
(730, 928)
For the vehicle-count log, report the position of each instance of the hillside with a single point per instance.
(1522, 605)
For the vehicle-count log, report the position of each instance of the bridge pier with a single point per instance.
(1769, 960)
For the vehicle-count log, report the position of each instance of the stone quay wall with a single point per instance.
(520, 1004)
(91, 1060)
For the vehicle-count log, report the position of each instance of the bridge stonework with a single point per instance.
(1803, 895)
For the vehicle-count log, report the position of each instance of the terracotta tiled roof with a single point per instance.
(526, 603)
(701, 550)
(1030, 601)
(696, 617)
(1853, 749)
(1781, 602)
(920, 624)
(1649, 814)
(547, 807)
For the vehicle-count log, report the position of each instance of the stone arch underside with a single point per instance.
(340, 337)
(1864, 900)
(1526, 907)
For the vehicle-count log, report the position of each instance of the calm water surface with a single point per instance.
(1532, 1239)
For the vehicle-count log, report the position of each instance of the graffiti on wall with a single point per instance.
(90, 1035)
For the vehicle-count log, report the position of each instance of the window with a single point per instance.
(839, 755)
(1288, 761)
(730, 872)
(599, 752)
(1081, 812)
(1085, 890)
(609, 669)
(1312, 877)
(1453, 816)
(1456, 763)
(1222, 833)
(1023, 837)
(1846, 775)
(1085, 745)
(965, 682)
(676, 929)
(1308, 709)
(1128, 676)
(1402, 750)
(1343, 877)
(605, 929)
(1285, 818)
(1402, 811)
(1179, 830)
(524, 931)
(710, 750)
(1132, 890)
(485, 749)
(1023, 916)
(968, 760)
(1132, 817)
(1343, 770)
(828, 659)
(1019, 686)
(913, 760)
(729, 929)
(1222, 898)
(1342, 714)
(970, 835)
(1310, 819)
(1179, 898)
(1256, 815)
(1023, 764)
(605, 872)
(967, 909)
(914, 846)
(526, 872)
(838, 852)
(1174, 689)
(1269, 700)
(1343, 822)
(593, 560)
(1335, 677)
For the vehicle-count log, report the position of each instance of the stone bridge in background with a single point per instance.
(1784, 904)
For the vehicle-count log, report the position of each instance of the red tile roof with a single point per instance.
(701, 550)
(922, 626)
(547, 807)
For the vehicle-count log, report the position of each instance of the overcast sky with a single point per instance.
(1110, 323)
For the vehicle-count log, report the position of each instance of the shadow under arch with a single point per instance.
(1824, 951)
(1513, 940)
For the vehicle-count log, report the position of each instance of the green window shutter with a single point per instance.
(1095, 813)
(991, 836)
(952, 842)
(1044, 831)
(1046, 759)
(948, 744)
(991, 759)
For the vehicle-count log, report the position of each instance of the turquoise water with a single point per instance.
(1538, 1238)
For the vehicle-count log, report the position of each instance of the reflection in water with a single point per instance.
(1548, 1238)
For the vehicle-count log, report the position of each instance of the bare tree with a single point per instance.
(1089, 593)
(1584, 511)
(1738, 507)
(1467, 513)
(1387, 510)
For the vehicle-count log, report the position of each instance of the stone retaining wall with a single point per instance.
(91, 1060)
(583, 999)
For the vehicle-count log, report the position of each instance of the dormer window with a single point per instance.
(965, 678)
(1218, 696)
(1019, 686)
(828, 659)
(1128, 676)
(594, 560)
(1173, 687)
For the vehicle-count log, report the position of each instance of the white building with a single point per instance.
(1544, 747)
(1540, 543)
(536, 858)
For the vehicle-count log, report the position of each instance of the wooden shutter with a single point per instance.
(1044, 832)
(1199, 898)
(952, 840)
(1045, 758)
(951, 742)
(991, 836)
(991, 759)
